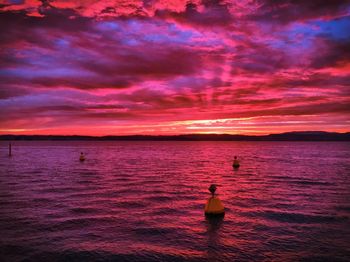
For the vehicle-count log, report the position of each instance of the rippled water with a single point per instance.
(143, 201)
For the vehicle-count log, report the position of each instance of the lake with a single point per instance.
(144, 201)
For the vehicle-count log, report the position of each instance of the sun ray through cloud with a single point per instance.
(157, 67)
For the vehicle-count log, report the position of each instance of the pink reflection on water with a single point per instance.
(147, 198)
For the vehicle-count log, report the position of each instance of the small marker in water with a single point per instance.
(235, 163)
(10, 149)
(82, 157)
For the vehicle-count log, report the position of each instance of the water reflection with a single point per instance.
(287, 198)
(214, 227)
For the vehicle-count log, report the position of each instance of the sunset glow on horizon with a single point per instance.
(174, 67)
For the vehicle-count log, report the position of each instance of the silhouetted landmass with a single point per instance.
(290, 136)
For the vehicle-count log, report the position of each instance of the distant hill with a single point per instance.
(309, 136)
(289, 136)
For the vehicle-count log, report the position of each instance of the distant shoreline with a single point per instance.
(289, 136)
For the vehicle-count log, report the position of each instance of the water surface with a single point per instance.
(143, 201)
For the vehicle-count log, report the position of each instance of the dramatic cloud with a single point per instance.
(166, 67)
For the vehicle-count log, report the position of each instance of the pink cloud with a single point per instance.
(131, 67)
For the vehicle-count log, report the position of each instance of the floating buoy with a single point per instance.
(82, 157)
(214, 207)
(235, 163)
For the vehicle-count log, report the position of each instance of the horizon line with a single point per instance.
(187, 134)
(286, 136)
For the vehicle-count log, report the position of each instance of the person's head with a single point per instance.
(81, 153)
(235, 157)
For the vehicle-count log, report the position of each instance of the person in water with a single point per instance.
(235, 162)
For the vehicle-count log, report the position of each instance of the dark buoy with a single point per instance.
(10, 149)
(214, 207)
(82, 157)
(235, 163)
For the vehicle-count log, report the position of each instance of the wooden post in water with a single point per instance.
(10, 149)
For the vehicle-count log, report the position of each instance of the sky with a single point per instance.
(152, 67)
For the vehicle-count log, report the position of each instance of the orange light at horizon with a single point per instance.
(73, 68)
